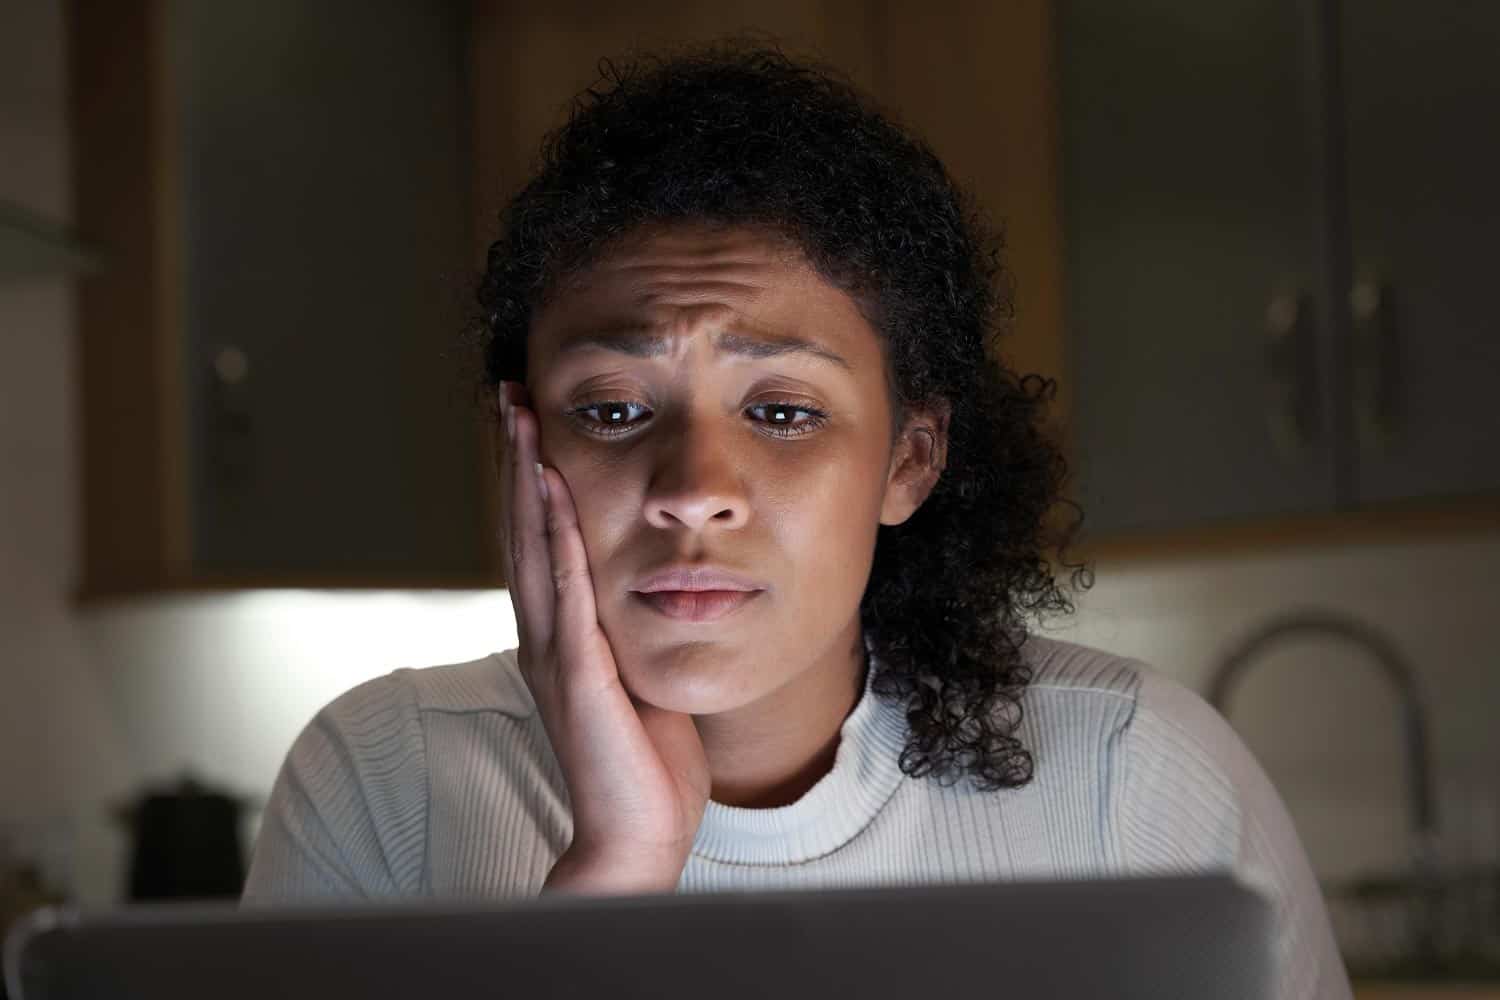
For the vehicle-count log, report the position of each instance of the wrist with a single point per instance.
(596, 873)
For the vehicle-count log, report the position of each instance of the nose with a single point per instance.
(698, 481)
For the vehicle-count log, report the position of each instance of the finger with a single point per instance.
(532, 586)
(510, 536)
(579, 639)
(503, 464)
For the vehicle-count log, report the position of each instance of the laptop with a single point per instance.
(1162, 938)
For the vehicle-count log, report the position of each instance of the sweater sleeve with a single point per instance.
(1194, 798)
(347, 813)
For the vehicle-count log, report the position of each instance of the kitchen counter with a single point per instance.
(1375, 990)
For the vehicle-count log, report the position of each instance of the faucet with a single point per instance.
(1396, 669)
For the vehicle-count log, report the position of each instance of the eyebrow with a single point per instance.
(641, 342)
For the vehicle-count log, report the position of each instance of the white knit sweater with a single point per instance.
(441, 782)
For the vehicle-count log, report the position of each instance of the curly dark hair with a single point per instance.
(742, 134)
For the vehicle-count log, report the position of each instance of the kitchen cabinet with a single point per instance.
(272, 390)
(1422, 93)
(1273, 223)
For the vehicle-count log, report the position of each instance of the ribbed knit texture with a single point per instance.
(441, 782)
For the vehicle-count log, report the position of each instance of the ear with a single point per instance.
(917, 461)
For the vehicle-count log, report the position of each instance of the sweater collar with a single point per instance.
(866, 772)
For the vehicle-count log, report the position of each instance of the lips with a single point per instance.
(701, 577)
(698, 605)
(696, 592)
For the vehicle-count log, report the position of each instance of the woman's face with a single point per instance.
(710, 400)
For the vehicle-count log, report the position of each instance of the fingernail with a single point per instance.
(541, 481)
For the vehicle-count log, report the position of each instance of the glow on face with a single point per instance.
(709, 398)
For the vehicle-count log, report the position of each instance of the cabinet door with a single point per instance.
(325, 224)
(1422, 87)
(1191, 203)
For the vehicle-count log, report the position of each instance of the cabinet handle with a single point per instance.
(230, 430)
(231, 365)
(1375, 357)
(1292, 373)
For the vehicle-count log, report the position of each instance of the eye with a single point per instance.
(780, 420)
(612, 417)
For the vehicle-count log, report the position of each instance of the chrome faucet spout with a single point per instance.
(1421, 807)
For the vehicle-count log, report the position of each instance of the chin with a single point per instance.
(698, 678)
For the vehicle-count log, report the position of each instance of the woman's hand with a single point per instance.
(636, 774)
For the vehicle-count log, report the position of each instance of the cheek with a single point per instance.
(608, 510)
(829, 529)
(608, 494)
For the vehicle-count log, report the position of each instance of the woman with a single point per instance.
(776, 525)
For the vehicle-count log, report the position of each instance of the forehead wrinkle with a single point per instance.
(664, 330)
(688, 262)
(667, 295)
(677, 307)
(700, 293)
(651, 343)
(675, 327)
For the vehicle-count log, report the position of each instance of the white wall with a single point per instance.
(94, 705)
